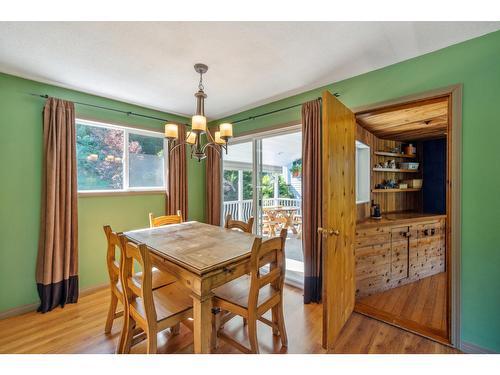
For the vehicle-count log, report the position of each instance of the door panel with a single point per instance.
(339, 216)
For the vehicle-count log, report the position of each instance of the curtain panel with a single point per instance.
(311, 199)
(57, 261)
(213, 183)
(177, 190)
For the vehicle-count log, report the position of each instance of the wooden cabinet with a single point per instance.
(395, 253)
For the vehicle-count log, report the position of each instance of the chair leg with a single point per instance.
(252, 334)
(281, 324)
(175, 329)
(274, 319)
(127, 335)
(152, 344)
(245, 322)
(111, 313)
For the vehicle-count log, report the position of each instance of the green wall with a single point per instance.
(475, 64)
(20, 190)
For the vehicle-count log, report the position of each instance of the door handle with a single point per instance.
(333, 232)
(328, 232)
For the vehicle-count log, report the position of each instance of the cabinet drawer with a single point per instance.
(430, 230)
(372, 236)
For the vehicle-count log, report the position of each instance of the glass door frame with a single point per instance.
(256, 138)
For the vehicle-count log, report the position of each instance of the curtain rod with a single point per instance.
(336, 94)
(128, 113)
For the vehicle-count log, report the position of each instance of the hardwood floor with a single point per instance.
(79, 328)
(422, 303)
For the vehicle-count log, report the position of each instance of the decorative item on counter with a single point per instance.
(403, 185)
(372, 208)
(386, 164)
(379, 165)
(376, 212)
(392, 164)
(409, 149)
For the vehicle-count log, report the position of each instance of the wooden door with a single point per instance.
(339, 216)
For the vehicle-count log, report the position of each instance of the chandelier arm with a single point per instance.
(215, 146)
(209, 136)
(178, 145)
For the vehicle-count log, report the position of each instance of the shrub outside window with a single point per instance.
(116, 158)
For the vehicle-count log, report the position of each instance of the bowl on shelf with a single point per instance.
(409, 165)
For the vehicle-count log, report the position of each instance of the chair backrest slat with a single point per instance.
(138, 291)
(165, 220)
(272, 253)
(237, 224)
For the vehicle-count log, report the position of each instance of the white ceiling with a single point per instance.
(250, 63)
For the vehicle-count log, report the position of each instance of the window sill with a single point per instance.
(83, 194)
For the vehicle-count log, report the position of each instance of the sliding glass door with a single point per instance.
(262, 178)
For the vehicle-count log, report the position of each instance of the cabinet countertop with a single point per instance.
(395, 218)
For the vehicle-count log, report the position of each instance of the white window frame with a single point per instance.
(125, 158)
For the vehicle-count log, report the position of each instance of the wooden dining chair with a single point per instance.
(252, 296)
(237, 224)
(164, 220)
(151, 310)
(159, 278)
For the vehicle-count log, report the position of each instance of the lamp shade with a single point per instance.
(191, 138)
(171, 131)
(199, 123)
(226, 130)
(218, 139)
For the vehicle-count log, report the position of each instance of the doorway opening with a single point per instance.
(262, 177)
(405, 255)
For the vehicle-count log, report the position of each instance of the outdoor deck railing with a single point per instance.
(242, 210)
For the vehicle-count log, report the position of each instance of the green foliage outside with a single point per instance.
(99, 154)
(230, 186)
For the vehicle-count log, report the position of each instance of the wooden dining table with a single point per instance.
(202, 257)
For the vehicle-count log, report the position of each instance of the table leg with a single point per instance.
(202, 324)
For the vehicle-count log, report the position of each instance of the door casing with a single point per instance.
(453, 196)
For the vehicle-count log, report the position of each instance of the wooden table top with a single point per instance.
(196, 246)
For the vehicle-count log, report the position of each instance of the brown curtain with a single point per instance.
(213, 181)
(311, 199)
(176, 198)
(57, 262)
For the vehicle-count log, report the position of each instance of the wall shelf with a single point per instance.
(394, 190)
(392, 154)
(395, 170)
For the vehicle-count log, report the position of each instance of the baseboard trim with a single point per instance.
(20, 310)
(470, 348)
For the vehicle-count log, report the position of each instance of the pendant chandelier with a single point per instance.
(199, 127)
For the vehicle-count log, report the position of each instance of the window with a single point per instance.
(105, 164)
(362, 173)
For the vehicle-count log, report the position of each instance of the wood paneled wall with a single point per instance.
(389, 202)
